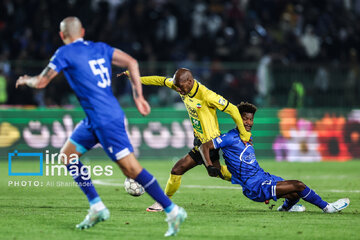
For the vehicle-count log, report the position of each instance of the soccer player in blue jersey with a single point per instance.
(87, 67)
(257, 184)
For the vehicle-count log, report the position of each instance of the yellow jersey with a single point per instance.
(201, 104)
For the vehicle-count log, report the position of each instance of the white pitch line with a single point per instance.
(342, 191)
(110, 182)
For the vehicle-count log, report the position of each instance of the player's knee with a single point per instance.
(299, 186)
(179, 168)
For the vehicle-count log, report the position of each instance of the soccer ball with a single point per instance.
(133, 188)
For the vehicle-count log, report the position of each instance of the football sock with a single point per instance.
(310, 196)
(172, 185)
(153, 188)
(172, 210)
(97, 206)
(81, 177)
(225, 172)
(288, 203)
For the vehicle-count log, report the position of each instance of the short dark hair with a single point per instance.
(246, 107)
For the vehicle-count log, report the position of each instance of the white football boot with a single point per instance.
(156, 207)
(174, 222)
(337, 206)
(94, 217)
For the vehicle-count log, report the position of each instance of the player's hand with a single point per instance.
(214, 172)
(245, 137)
(22, 81)
(126, 73)
(142, 105)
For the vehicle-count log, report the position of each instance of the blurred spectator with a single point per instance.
(352, 80)
(264, 82)
(321, 86)
(296, 95)
(188, 32)
(310, 42)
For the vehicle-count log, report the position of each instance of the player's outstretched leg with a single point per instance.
(175, 214)
(97, 212)
(287, 188)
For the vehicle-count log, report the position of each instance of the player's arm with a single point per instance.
(153, 80)
(224, 105)
(205, 154)
(122, 59)
(233, 111)
(39, 81)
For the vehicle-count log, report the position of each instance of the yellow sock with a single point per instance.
(172, 185)
(225, 172)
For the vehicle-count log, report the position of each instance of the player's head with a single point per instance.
(183, 80)
(71, 29)
(247, 111)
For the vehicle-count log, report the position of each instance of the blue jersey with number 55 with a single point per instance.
(87, 67)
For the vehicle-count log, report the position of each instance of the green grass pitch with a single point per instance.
(216, 209)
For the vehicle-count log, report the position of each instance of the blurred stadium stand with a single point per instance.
(274, 53)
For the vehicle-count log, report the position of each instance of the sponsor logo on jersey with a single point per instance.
(249, 159)
(222, 101)
(196, 125)
(192, 111)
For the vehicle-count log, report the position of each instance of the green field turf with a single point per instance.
(215, 209)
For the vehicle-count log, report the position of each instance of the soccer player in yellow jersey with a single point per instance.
(201, 104)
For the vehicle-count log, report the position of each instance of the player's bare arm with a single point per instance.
(122, 59)
(205, 154)
(39, 81)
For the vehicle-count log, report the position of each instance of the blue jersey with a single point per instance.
(240, 159)
(87, 67)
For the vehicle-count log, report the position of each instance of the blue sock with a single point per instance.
(152, 187)
(85, 184)
(310, 196)
(288, 203)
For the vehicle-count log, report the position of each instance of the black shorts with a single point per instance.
(196, 155)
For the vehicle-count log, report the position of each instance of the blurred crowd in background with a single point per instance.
(275, 53)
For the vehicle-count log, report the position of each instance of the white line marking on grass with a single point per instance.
(319, 177)
(113, 182)
(341, 191)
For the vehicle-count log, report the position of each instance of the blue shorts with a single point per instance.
(263, 188)
(112, 137)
